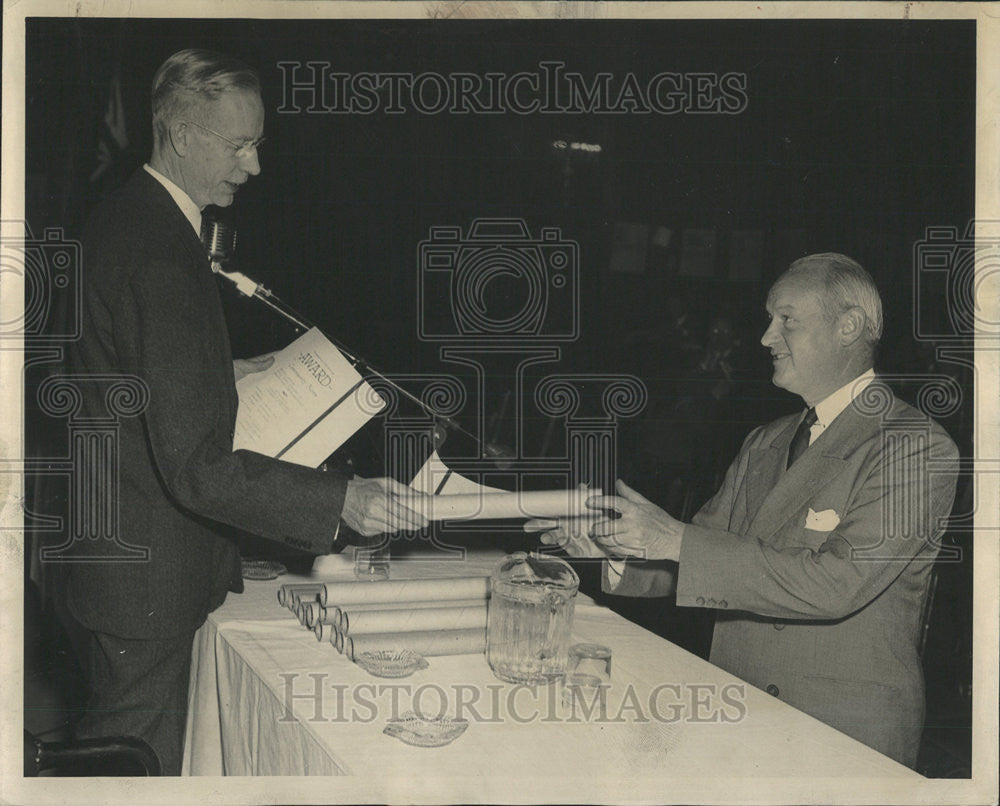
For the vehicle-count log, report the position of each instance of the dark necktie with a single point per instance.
(801, 439)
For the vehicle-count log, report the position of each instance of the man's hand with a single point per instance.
(376, 506)
(644, 530)
(572, 535)
(247, 366)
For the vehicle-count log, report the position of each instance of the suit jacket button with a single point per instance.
(772, 690)
(778, 625)
(723, 603)
(710, 603)
(700, 601)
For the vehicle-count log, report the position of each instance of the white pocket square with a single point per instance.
(825, 521)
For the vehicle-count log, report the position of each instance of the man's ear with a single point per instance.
(180, 137)
(851, 325)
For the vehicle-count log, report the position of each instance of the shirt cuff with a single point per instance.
(615, 571)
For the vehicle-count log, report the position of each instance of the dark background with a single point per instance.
(857, 137)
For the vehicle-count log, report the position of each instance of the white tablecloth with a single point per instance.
(267, 699)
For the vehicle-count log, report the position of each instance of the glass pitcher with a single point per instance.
(530, 617)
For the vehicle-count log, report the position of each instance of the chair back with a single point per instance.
(111, 756)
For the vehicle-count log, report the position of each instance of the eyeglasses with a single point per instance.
(242, 149)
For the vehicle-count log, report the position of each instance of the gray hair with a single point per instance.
(194, 77)
(845, 285)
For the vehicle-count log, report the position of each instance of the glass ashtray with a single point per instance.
(421, 731)
(391, 662)
(262, 569)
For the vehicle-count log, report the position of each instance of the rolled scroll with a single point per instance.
(428, 644)
(316, 612)
(499, 506)
(401, 620)
(406, 591)
(325, 631)
(307, 590)
(341, 615)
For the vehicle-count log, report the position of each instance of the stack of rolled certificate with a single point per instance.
(429, 616)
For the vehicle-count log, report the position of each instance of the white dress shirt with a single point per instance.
(829, 407)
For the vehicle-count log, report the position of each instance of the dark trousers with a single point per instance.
(138, 688)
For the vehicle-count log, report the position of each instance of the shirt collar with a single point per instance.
(828, 408)
(185, 202)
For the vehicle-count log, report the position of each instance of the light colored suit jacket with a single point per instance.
(819, 573)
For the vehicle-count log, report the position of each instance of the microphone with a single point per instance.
(220, 241)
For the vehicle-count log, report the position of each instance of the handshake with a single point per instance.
(639, 529)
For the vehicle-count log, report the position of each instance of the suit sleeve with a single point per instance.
(169, 331)
(659, 578)
(894, 515)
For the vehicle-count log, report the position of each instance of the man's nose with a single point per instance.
(250, 163)
(771, 334)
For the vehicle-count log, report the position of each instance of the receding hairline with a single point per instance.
(807, 280)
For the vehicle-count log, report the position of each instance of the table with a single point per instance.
(267, 699)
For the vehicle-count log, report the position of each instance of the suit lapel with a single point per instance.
(172, 216)
(765, 469)
(151, 189)
(816, 468)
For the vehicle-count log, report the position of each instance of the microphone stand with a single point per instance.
(251, 288)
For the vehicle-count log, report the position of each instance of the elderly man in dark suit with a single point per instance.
(151, 310)
(817, 551)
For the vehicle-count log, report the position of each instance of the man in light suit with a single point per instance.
(152, 311)
(817, 551)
